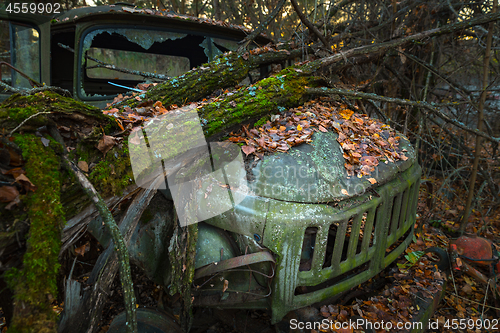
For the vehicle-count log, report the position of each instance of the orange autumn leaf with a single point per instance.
(16, 172)
(82, 249)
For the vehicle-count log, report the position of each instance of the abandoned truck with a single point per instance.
(304, 232)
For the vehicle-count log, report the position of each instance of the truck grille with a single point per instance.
(324, 251)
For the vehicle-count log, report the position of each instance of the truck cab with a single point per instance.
(86, 50)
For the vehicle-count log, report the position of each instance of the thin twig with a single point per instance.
(26, 92)
(26, 120)
(12, 89)
(474, 302)
(248, 39)
(308, 23)
(425, 105)
(59, 90)
(485, 296)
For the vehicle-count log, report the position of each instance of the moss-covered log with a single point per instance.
(35, 283)
(227, 70)
(272, 95)
(18, 108)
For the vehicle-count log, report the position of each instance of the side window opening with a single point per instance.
(144, 62)
(20, 47)
(161, 52)
(61, 74)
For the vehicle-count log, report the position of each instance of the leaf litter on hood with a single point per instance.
(365, 141)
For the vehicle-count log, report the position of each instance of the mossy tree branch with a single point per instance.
(125, 276)
(225, 71)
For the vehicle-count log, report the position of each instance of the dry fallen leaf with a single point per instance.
(344, 191)
(82, 249)
(8, 193)
(467, 289)
(248, 150)
(11, 204)
(15, 158)
(372, 180)
(15, 172)
(226, 285)
(83, 166)
(106, 143)
(25, 182)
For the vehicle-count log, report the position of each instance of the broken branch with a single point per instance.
(308, 23)
(122, 252)
(420, 104)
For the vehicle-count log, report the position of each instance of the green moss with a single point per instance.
(35, 284)
(266, 96)
(18, 108)
(113, 173)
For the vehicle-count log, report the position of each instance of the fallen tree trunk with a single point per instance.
(225, 71)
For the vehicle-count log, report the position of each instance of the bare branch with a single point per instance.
(125, 276)
(381, 47)
(308, 24)
(425, 105)
(248, 39)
